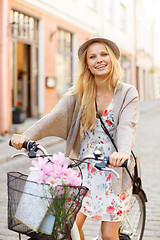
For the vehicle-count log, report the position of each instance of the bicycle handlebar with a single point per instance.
(104, 161)
(27, 144)
(33, 147)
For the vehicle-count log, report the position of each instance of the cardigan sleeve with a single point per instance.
(56, 123)
(128, 119)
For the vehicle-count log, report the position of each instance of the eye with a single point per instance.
(105, 54)
(92, 57)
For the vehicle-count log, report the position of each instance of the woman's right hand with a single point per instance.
(18, 140)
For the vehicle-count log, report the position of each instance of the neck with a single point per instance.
(102, 86)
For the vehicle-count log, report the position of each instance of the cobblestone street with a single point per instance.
(147, 148)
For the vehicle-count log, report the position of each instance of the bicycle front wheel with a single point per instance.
(134, 222)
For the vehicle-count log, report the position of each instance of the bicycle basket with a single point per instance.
(33, 211)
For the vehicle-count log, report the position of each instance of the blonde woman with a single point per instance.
(98, 89)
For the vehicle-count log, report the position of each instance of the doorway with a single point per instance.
(25, 77)
(21, 76)
(24, 62)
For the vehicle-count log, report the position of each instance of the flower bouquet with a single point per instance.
(51, 197)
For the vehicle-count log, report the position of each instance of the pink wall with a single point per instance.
(5, 105)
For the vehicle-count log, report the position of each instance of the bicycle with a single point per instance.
(132, 226)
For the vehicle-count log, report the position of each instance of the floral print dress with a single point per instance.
(100, 202)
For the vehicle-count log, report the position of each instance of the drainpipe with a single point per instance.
(4, 99)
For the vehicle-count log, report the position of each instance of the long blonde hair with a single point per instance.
(85, 88)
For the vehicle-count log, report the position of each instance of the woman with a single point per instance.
(74, 119)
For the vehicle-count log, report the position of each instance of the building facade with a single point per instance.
(143, 52)
(39, 42)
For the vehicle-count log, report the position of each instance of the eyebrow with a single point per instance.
(104, 51)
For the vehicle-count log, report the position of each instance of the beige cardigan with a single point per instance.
(61, 122)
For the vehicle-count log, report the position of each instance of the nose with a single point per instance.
(99, 59)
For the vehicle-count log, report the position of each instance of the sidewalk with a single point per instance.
(6, 151)
(149, 105)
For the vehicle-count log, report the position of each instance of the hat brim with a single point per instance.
(110, 43)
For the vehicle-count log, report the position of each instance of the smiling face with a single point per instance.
(98, 60)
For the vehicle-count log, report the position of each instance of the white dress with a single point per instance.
(100, 202)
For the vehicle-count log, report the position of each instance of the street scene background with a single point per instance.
(39, 40)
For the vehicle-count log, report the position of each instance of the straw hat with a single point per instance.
(98, 38)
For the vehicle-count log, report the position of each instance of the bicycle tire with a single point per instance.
(134, 222)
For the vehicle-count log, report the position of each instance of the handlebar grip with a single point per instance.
(105, 162)
(125, 164)
(27, 144)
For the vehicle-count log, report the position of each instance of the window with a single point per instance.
(64, 60)
(23, 26)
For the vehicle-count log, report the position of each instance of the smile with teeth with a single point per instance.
(101, 66)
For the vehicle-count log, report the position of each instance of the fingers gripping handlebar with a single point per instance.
(105, 162)
(27, 144)
(31, 146)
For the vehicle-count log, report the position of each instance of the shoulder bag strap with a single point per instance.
(108, 134)
(112, 140)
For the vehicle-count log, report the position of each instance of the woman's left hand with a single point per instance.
(117, 159)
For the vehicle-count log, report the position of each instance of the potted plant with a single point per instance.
(18, 114)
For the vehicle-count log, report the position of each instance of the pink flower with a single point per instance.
(109, 122)
(47, 168)
(84, 209)
(97, 217)
(110, 209)
(105, 113)
(86, 194)
(40, 163)
(123, 196)
(93, 170)
(108, 178)
(54, 171)
(88, 166)
(119, 212)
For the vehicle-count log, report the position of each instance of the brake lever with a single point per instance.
(19, 154)
(110, 170)
(102, 166)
